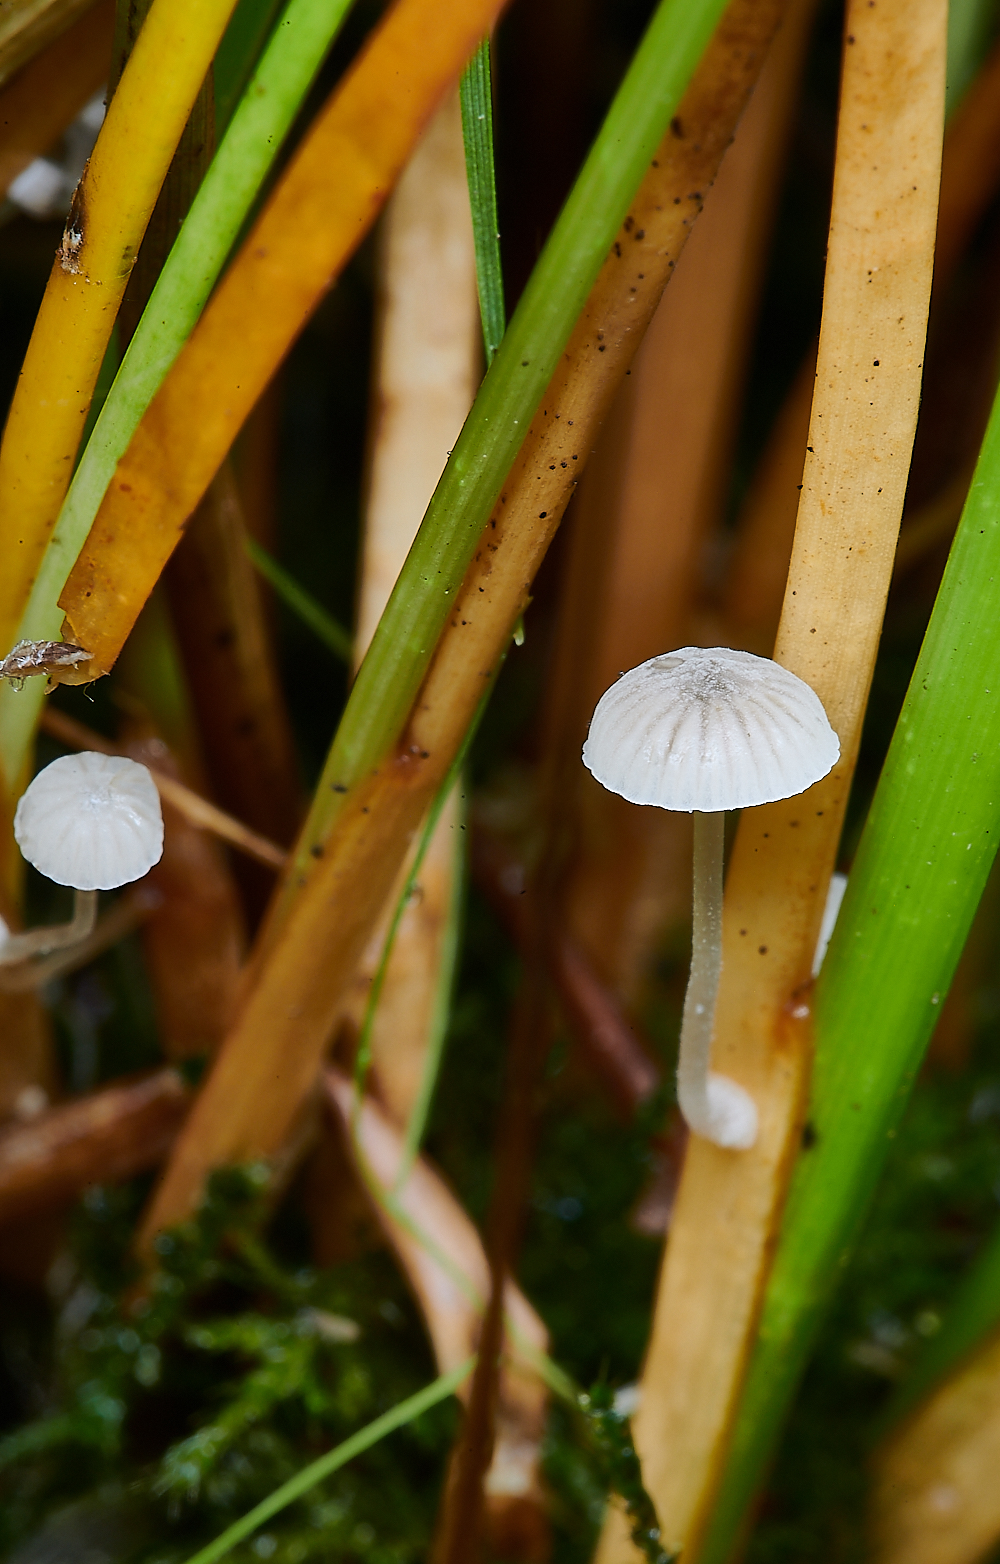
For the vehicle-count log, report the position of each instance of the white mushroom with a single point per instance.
(703, 731)
(92, 822)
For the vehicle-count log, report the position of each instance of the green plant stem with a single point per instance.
(416, 1124)
(476, 95)
(330, 632)
(511, 393)
(363, 1056)
(923, 861)
(284, 75)
(315, 1472)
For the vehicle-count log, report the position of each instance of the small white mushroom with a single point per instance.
(92, 822)
(703, 731)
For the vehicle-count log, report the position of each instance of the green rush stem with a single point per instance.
(363, 1056)
(315, 1472)
(476, 96)
(302, 603)
(511, 393)
(922, 863)
(286, 71)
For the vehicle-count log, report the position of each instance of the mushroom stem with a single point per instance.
(38, 942)
(713, 1105)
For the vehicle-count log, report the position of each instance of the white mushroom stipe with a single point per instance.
(91, 821)
(702, 731)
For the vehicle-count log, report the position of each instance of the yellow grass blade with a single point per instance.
(328, 198)
(863, 419)
(110, 211)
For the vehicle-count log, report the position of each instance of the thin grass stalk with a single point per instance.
(330, 918)
(476, 95)
(111, 208)
(47, 95)
(397, 1417)
(443, 994)
(280, 82)
(923, 861)
(864, 414)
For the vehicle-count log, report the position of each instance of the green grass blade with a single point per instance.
(284, 75)
(302, 603)
(923, 861)
(476, 94)
(510, 394)
(315, 1472)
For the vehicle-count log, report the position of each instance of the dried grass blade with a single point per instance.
(863, 420)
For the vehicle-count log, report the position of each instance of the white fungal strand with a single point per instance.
(707, 730)
(91, 821)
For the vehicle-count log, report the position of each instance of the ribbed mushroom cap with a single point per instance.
(91, 821)
(710, 729)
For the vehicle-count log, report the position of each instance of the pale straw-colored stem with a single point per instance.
(38, 942)
(713, 1105)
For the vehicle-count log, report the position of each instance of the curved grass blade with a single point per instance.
(438, 1390)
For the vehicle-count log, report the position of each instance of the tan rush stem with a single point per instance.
(38, 942)
(713, 1105)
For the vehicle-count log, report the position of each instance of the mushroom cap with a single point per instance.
(91, 821)
(706, 730)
